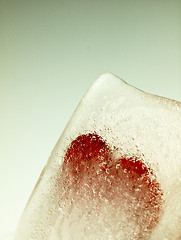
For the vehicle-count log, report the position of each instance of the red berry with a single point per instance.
(126, 183)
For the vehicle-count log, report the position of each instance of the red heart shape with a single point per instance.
(94, 175)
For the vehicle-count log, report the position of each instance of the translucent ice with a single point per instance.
(114, 174)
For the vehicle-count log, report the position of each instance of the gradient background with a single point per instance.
(51, 52)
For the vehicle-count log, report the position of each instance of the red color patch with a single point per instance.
(89, 162)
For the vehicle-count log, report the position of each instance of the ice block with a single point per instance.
(115, 172)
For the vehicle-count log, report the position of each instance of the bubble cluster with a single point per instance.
(112, 188)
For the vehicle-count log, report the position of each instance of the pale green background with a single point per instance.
(51, 52)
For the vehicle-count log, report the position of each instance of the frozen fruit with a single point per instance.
(126, 183)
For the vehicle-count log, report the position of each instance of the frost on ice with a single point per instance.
(114, 173)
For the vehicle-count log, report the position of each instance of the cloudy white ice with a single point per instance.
(115, 172)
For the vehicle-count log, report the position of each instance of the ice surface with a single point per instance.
(114, 174)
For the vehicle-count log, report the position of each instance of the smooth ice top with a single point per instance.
(115, 172)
